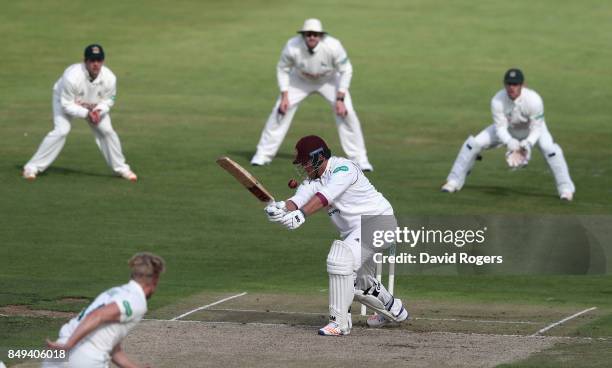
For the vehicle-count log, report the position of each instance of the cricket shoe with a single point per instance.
(567, 196)
(333, 329)
(366, 166)
(451, 186)
(259, 161)
(129, 175)
(29, 174)
(378, 320)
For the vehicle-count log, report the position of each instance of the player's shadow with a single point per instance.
(58, 170)
(247, 155)
(506, 191)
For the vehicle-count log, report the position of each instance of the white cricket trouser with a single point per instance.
(363, 254)
(349, 127)
(487, 139)
(51, 146)
(80, 357)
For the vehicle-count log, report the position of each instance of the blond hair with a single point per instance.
(145, 265)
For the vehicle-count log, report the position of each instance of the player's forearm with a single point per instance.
(104, 106)
(282, 77)
(121, 359)
(502, 133)
(346, 74)
(535, 131)
(108, 100)
(73, 109)
(89, 324)
(290, 206)
(312, 206)
(345, 82)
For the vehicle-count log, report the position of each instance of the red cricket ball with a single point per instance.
(292, 184)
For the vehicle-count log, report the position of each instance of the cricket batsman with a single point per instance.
(93, 338)
(518, 124)
(340, 186)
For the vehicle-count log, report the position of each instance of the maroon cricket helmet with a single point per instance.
(308, 149)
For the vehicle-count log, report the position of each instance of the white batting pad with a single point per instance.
(379, 299)
(464, 161)
(558, 166)
(340, 269)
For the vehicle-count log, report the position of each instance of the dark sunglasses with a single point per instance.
(312, 34)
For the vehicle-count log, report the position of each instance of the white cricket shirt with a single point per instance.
(75, 87)
(132, 303)
(348, 193)
(521, 118)
(326, 59)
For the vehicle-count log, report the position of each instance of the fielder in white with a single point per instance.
(86, 90)
(518, 123)
(340, 186)
(93, 338)
(313, 62)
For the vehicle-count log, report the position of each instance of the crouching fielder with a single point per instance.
(340, 186)
(518, 123)
(93, 338)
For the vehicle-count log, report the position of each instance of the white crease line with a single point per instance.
(605, 338)
(563, 320)
(266, 311)
(208, 305)
(323, 314)
(477, 321)
(227, 322)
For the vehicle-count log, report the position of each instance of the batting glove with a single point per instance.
(513, 145)
(275, 211)
(293, 220)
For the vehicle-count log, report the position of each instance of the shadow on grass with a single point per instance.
(247, 155)
(506, 191)
(56, 170)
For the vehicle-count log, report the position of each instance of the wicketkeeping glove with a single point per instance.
(519, 158)
(293, 220)
(275, 211)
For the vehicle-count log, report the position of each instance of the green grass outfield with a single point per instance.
(196, 80)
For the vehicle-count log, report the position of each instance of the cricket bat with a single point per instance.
(246, 179)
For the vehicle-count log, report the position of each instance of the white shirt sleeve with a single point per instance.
(129, 309)
(68, 98)
(342, 177)
(284, 66)
(108, 97)
(500, 120)
(536, 119)
(303, 193)
(344, 67)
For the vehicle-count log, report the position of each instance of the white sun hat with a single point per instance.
(312, 25)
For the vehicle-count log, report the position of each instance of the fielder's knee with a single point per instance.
(472, 145)
(106, 130)
(550, 151)
(61, 130)
(340, 259)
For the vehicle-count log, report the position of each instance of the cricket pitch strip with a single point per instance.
(246, 329)
(272, 330)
